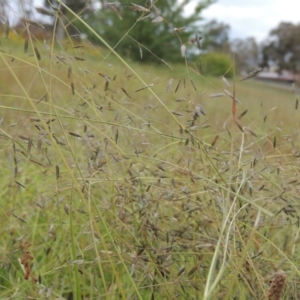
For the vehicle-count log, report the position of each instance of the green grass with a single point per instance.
(105, 193)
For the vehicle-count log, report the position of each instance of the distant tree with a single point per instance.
(216, 36)
(153, 27)
(216, 64)
(283, 48)
(78, 6)
(246, 54)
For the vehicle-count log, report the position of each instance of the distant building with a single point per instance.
(282, 77)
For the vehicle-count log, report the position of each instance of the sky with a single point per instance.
(252, 18)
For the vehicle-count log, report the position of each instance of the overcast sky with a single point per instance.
(252, 17)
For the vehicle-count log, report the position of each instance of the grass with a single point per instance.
(116, 191)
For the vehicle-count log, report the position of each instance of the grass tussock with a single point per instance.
(125, 182)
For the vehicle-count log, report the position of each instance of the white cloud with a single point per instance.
(252, 18)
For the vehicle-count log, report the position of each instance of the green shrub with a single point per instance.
(216, 64)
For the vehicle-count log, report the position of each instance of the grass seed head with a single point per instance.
(33, 23)
(170, 82)
(6, 30)
(37, 53)
(44, 11)
(183, 50)
(277, 286)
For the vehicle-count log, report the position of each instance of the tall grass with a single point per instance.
(126, 182)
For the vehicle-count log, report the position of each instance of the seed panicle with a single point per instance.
(251, 74)
(33, 23)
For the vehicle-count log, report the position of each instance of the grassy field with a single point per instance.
(115, 185)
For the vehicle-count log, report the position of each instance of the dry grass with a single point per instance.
(126, 182)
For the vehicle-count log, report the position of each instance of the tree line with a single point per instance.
(154, 30)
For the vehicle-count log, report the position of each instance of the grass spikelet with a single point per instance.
(154, 8)
(144, 17)
(277, 286)
(232, 97)
(178, 84)
(181, 271)
(50, 121)
(37, 53)
(39, 143)
(157, 20)
(242, 114)
(69, 72)
(22, 137)
(137, 7)
(214, 140)
(36, 162)
(58, 142)
(193, 84)
(251, 74)
(78, 58)
(34, 119)
(163, 61)
(199, 111)
(193, 270)
(175, 113)
(57, 172)
(183, 50)
(124, 91)
(44, 11)
(75, 134)
(217, 95)
(170, 82)
(30, 144)
(179, 29)
(6, 29)
(26, 45)
(274, 142)
(225, 81)
(47, 47)
(296, 104)
(116, 136)
(196, 40)
(33, 23)
(78, 46)
(107, 78)
(57, 10)
(248, 129)
(44, 97)
(145, 87)
(115, 10)
(106, 85)
(72, 88)
(238, 125)
(141, 51)
(16, 167)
